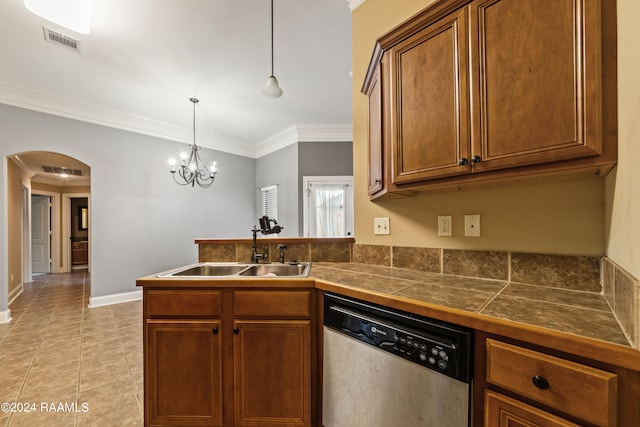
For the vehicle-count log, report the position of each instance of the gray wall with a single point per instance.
(287, 167)
(142, 222)
(280, 167)
(325, 159)
(322, 159)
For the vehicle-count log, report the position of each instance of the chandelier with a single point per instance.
(192, 169)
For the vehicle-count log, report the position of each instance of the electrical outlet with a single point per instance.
(381, 226)
(472, 225)
(444, 226)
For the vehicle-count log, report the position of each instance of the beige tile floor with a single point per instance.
(68, 364)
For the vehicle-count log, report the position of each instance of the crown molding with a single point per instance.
(22, 165)
(48, 103)
(354, 4)
(305, 133)
(43, 102)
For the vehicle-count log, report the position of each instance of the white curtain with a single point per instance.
(328, 207)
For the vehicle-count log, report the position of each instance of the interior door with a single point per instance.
(328, 207)
(41, 234)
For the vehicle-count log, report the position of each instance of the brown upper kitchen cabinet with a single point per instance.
(430, 102)
(375, 170)
(468, 91)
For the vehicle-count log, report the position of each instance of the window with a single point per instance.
(328, 207)
(270, 201)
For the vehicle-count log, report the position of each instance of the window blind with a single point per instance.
(270, 201)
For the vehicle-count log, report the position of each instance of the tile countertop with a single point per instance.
(578, 313)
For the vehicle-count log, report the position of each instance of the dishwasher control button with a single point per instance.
(442, 364)
(423, 347)
(443, 355)
(432, 360)
(423, 357)
(403, 340)
(434, 351)
(416, 344)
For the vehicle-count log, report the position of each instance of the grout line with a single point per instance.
(35, 354)
(82, 312)
(139, 394)
(490, 300)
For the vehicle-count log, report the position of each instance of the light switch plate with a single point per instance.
(381, 225)
(444, 226)
(472, 225)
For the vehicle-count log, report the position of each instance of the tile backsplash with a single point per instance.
(622, 291)
(576, 273)
(580, 273)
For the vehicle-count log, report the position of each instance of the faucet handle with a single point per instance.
(282, 247)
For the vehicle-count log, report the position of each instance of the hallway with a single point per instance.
(69, 365)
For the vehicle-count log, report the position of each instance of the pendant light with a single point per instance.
(192, 170)
(272, 88)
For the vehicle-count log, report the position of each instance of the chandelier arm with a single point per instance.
(181, 173)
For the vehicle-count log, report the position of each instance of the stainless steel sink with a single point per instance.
(287, 270)
(213, 270)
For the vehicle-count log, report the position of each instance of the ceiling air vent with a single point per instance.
(57, 170)
(61, 39)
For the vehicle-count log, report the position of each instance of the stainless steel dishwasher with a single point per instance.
(385, 368)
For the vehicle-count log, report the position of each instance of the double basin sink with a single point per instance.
(214, 270)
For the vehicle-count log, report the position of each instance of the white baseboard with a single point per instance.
(115, 299)
(5, 316)
(15, 293)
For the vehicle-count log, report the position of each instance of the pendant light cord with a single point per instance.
(272, 37)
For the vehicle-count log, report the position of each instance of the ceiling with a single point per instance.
(144, 59)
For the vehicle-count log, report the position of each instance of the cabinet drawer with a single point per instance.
(501, 410)
(272, 303)
(578, 390)
(182, 303)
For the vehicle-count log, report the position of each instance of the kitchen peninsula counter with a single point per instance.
(554, 328)
(574, 322)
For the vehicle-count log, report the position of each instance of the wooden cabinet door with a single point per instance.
(430, 102)
(272, 373)
(183, 373)
(375, 138)
(502, 411)
(536, 81)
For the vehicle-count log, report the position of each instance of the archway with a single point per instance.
(54, 176)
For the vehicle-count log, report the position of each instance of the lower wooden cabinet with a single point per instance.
(502, 411)
(183, 372)
(239, 360)
(272, 373)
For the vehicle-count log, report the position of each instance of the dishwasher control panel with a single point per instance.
(433, 344)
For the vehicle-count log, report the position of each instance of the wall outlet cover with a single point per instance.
(472, 225)
(381, 226)
(444, 226)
